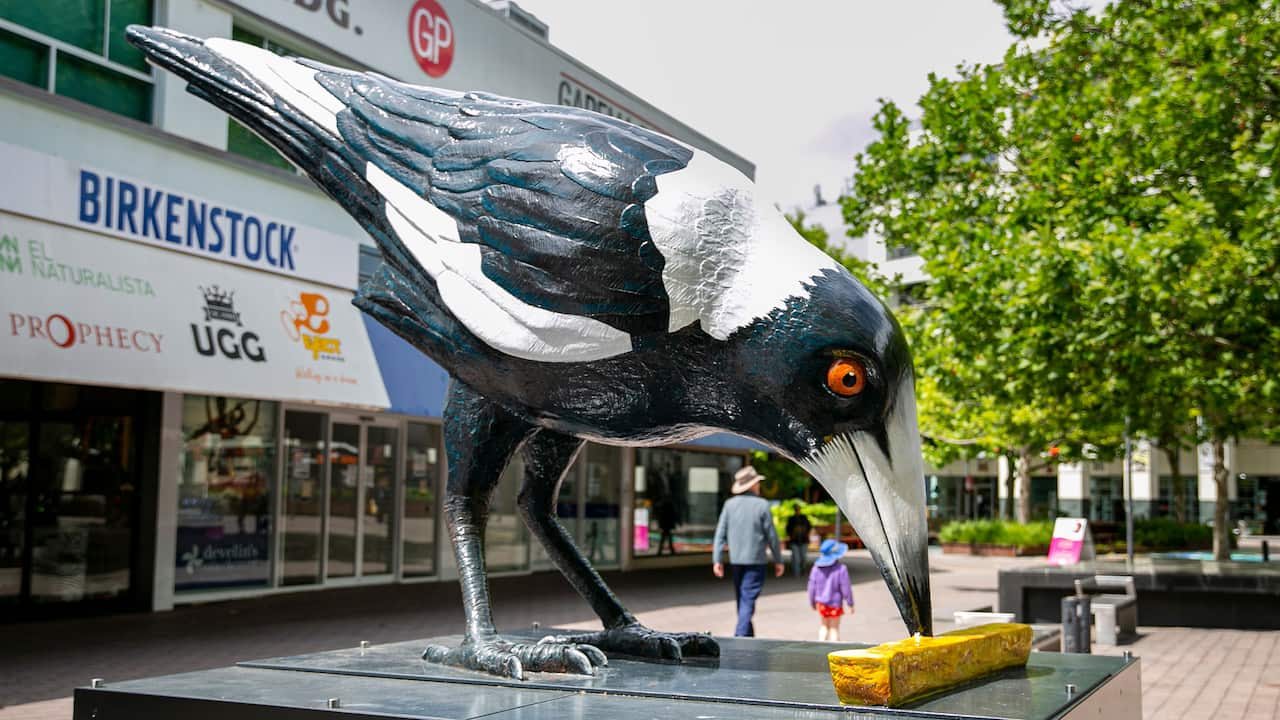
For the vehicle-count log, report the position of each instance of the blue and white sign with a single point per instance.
(145, 211)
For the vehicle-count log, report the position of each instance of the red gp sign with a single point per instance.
(431, 37)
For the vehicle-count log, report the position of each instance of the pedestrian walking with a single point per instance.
(798, 528)
(667, 518)
(830, 589)
(747, 525)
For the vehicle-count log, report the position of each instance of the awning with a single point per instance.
(82, 307)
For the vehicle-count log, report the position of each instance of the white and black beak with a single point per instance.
(877, 480)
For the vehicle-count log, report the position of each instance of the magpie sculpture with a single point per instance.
(580, 277)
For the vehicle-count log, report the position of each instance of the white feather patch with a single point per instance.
(730, 259)
(491, 313)
(294, 82)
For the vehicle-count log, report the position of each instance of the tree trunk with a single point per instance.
(1023, 471)
(1178, 508)
(1221, 505)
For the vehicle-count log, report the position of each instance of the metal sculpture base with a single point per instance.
(765, 679)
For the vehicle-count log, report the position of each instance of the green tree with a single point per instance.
(1099, 214)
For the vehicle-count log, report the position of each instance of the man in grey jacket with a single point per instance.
(747, 525)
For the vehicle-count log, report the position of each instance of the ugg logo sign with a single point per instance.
(431, 37)
(232, 343)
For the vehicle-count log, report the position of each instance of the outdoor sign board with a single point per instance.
(148, 212)
(81, 307)
(1071, 543)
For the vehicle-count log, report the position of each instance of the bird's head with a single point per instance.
(832, 387)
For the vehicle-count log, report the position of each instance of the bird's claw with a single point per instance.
(640, 641)
(511, 660)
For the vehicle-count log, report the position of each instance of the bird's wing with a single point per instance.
(550, 233)
(550, 200)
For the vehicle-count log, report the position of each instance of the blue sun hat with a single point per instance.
(831, 551)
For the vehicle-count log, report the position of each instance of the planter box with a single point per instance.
(990, 550)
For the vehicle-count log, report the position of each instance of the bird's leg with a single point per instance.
(480, 438)
(547, 456)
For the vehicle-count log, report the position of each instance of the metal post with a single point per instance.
(1076, 617)
(1128, 492)
(838, 522)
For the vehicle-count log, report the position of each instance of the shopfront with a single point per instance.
(190, 407)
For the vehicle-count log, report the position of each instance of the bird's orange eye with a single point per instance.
(846, 377)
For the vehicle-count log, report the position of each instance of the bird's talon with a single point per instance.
(512, 668)
(598, 658)
(506, 659)
(578, 662)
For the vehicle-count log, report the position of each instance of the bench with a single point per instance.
(973, 618)
(1112, 611)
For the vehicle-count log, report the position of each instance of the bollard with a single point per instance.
(1266, 551)
(1075, 624)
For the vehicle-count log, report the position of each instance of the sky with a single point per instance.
(791, 86)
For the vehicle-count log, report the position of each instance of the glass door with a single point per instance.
(422, 482)
(378, 489)
(344, 499)
(302, 516)
(364, 459)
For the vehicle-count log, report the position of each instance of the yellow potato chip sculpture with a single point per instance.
(897, 672)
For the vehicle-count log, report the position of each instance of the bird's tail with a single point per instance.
(280, 99)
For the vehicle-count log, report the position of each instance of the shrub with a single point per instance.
(1169, 534)
(818, 513)
(997, 532)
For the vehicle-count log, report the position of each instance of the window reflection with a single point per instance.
(224, 484)
(678, 497)
(303, 496)
(421, 482)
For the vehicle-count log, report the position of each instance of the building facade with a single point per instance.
(979, 488)
(190, 407)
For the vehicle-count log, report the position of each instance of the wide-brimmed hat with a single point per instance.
(744, 479)
(831, 551)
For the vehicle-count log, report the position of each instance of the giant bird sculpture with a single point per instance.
(584, 278)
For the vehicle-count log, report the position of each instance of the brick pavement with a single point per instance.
(1195, 673)
(1186, 672)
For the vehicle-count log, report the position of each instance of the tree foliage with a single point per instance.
(1100, 216)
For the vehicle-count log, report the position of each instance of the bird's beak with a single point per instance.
(878, 482)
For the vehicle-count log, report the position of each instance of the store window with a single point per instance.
(224, 493)
(602, 509)
(1106, 498)
(15, 465)
(77, 49)
(1190, 486)
(70, 483)
(422, 482)
(506, 539)
(678, 497)
(961, 497)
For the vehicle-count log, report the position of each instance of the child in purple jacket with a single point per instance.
(830, 589)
